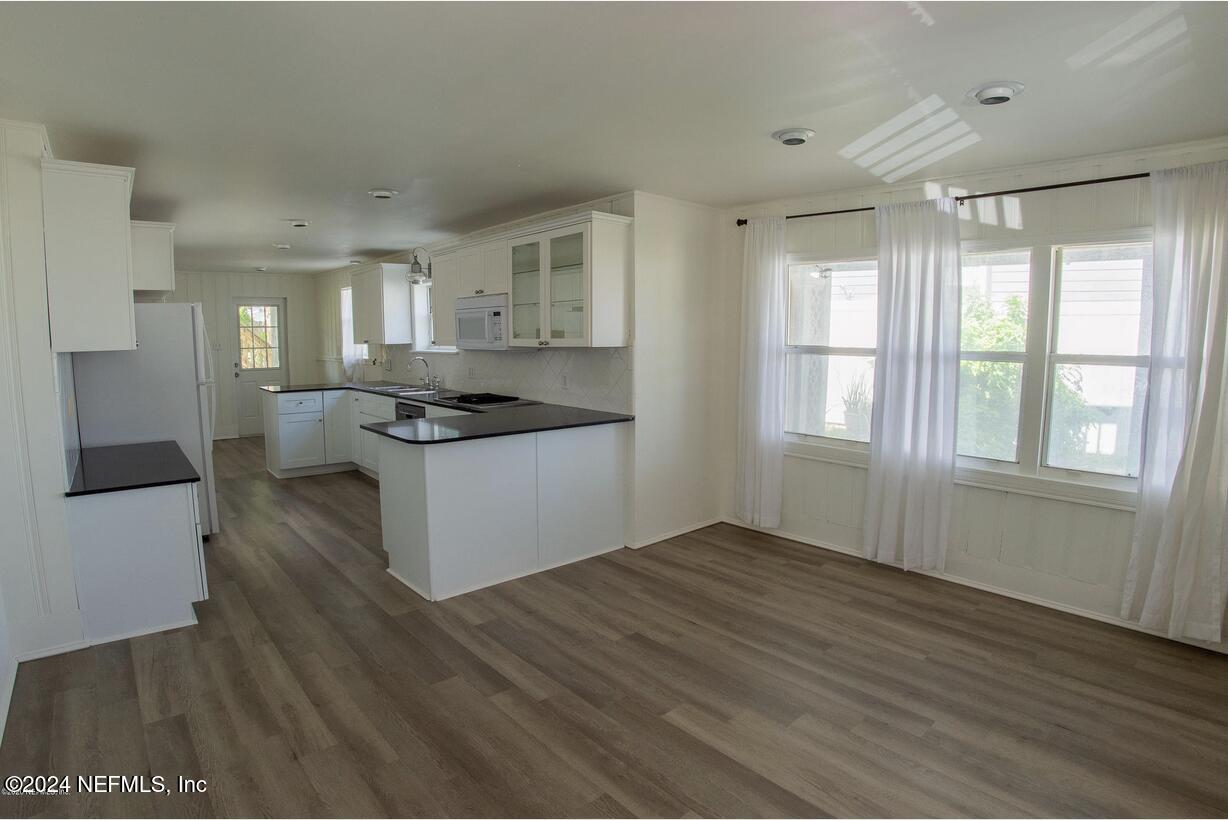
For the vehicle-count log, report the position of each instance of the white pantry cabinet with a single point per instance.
(569, 284)
(382, 310)
(337, 435)
(153, 255)
(88, 238)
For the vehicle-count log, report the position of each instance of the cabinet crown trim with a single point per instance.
(525, 229)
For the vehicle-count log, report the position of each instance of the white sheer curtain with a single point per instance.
(351, 354)
(761, 397)
(1178, 574)
(916, 373)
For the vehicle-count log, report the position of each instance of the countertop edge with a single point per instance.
(140, 486)
(374, 428)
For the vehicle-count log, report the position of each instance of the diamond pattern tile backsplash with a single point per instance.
(596, 378)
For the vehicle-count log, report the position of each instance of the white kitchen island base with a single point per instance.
(459, 516)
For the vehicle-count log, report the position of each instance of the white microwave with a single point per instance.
(481, 322)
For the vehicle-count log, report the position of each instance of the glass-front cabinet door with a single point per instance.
(526, 291)
(567, 288)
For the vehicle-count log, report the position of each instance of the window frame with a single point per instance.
(828, 350)
(1029, 475)
(274, 350)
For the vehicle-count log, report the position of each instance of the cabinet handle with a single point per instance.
(478, 292)
(546, 342)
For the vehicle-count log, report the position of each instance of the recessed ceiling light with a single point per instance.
(281, 246)
(996, 92)
(298, 223)
(383, 193)
(793, 136)
(261, 268)
(355, 261)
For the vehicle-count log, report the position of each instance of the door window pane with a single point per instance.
(526, 291)
(989, 395)
(1104, 303)
(567, 286)
(1096, 416)
(258, 337)
(829, 395)
(994, 301)
(834, 304)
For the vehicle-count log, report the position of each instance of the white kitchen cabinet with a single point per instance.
(370, 410)
(483, 268)
(88, 239)
(138, 560)
(569, 284)
(445, 287)
(153, 255)
(337, 434)
(301, 440)
(381, 305)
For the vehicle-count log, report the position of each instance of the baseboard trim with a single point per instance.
(1221, 649)
(419, 592)
(656, 539)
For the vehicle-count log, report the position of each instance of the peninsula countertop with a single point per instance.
(501, 421)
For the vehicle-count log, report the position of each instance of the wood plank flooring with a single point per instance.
(718, 673)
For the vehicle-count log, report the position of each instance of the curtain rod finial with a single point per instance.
(741, 222)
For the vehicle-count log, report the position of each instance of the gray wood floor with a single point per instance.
(719, 673)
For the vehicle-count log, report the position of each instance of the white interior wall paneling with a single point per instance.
(1069, 554)
(674, 464)
(217, 292)
(36, 570)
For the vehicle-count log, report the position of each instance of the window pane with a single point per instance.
(989, 409)
(830, 395)
(834, 304)
(257, 314)
(1105, 300)
(247, 359)
(246, 339)
(994, 301)
(274, 358)
(245, 316)
(260, 358)
(1096, 418)
(270, 316)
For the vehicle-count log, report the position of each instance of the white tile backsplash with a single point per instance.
(595, 378)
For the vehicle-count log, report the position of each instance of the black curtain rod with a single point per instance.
(962, 199)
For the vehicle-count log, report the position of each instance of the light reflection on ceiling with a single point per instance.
(911, 140)
(1145, 32)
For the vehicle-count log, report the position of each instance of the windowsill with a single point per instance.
(1087, 488)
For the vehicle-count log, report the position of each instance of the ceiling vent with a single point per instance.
(383, 193)
(996, 92)
(793, 136)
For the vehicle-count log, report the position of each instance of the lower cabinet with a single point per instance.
(337, 435)
(138, 559)
(368, 443)
(300, 440)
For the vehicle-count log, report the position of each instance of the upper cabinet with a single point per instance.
(569, 284)
(153, 256)
(566, 281)
(382, 310)
(473, 270)
(88, 240)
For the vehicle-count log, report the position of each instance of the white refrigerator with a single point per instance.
(163, 390)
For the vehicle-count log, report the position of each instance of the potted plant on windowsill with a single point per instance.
(857, 409)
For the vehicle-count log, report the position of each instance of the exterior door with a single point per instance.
(260, 356)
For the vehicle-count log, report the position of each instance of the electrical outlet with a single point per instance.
(473, 373)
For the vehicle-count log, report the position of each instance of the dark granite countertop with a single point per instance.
(366, 387)
(131, 467)
(502, 421)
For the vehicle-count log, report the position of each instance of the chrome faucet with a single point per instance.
(430, 381)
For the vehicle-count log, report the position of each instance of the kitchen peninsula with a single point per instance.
(471, 497)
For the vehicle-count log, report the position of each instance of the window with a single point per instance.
(420, 307)
(832, 330)
(349, 351)
(259, 346)
(1097, 378)
(993, 337)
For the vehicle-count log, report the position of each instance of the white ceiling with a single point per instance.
(239, 116)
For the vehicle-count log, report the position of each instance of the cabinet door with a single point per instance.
(355, 419)
(301, 439)
(370, 443)
(367, 308)
(495, 268)
(472, 272)
(336, 426)
(153, 256)
(88, 240)
(526, 291)
(445, 287)
(567, 287)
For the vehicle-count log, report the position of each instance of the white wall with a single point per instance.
(217, 292)
(1024, 538)
(36, 570)
(676, 452)
(8, 669)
